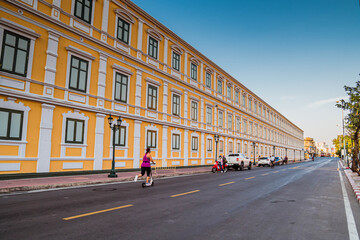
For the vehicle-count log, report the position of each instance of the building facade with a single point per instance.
(65, 66)
(309, 147)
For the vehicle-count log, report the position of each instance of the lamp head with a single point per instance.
(110, 120)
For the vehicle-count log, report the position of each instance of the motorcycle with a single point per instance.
(216, 167)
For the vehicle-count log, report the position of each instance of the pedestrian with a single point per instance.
(224, 163)
(146, 166)
(272, 160)
(220, 162)
(285, 159)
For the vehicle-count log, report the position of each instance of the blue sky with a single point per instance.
(295, 54)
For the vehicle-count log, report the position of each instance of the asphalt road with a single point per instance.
(296, 201)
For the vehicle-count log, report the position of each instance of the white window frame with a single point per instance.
(207, 117)
(126, 17)
(20, 106)
(74, 115)
(20, 30)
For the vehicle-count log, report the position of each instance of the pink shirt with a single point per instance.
(146, 161)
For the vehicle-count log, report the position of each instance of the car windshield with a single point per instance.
(263, 158)
(233, 155)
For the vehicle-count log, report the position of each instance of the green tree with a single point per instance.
(352, 120)
(339, 144)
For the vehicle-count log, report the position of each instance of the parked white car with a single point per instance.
(238, 161)
(264, 161)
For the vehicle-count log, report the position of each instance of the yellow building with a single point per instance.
(65, 66)
(309, 147)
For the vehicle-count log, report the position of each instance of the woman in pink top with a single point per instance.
(145, 166)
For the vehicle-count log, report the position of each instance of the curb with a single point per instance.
(354, 186)
(62, 185)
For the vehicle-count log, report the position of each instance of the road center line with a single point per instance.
(294, 168)
(276, 172)
(92, 213)
(181, 194)
(226, 184)
(353, 234)
(249, 178)
(264, 174)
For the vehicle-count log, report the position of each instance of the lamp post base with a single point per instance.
(112, 175)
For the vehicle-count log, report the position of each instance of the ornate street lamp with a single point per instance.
(114, 126)
(254, 145)
(216, 138)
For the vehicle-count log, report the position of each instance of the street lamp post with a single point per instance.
(344, 154)
(216, 138)
(254, 145)
(274, 151)
(114, 127)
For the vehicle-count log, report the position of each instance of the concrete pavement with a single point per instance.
(28, 184)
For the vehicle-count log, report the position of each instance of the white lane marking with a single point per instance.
(353, 234)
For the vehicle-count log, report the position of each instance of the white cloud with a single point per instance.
(326, 101)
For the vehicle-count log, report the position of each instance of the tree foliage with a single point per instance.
(352, 120)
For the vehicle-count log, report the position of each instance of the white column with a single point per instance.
(203, 153)
(138, 91)
(226, 146)
(186, 148)
(99, 141)
(185, 66)
(202, 74)
(202, 124)
(164, 146)
(54, 12)
(102, 78)
(165, 101)
(51, 59)
(140, 38)
(166, 52)
(185, 106)
(137, 141)
(46, 126)
(105, 19)
(215, 83)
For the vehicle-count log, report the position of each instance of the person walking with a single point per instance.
(272, 160)
(220, 162)
(146, 166)
(285, 160)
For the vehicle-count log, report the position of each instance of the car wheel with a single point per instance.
(213, 170)
(259, 165)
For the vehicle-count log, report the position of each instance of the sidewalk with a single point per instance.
(7, 186)
(354, 180)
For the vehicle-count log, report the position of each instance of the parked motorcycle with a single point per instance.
(216, 167)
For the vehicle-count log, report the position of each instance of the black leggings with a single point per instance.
(147, 169)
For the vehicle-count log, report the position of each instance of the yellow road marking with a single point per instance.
(276, 172)
(181, 194)
(226, 184)
(92, 213)
(338, 169)
(249, 178)
(294, 168)
(264, 174)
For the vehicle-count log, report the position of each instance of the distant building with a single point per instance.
(309, 146)
(322, 149)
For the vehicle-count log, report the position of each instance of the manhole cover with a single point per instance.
(104, 189)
